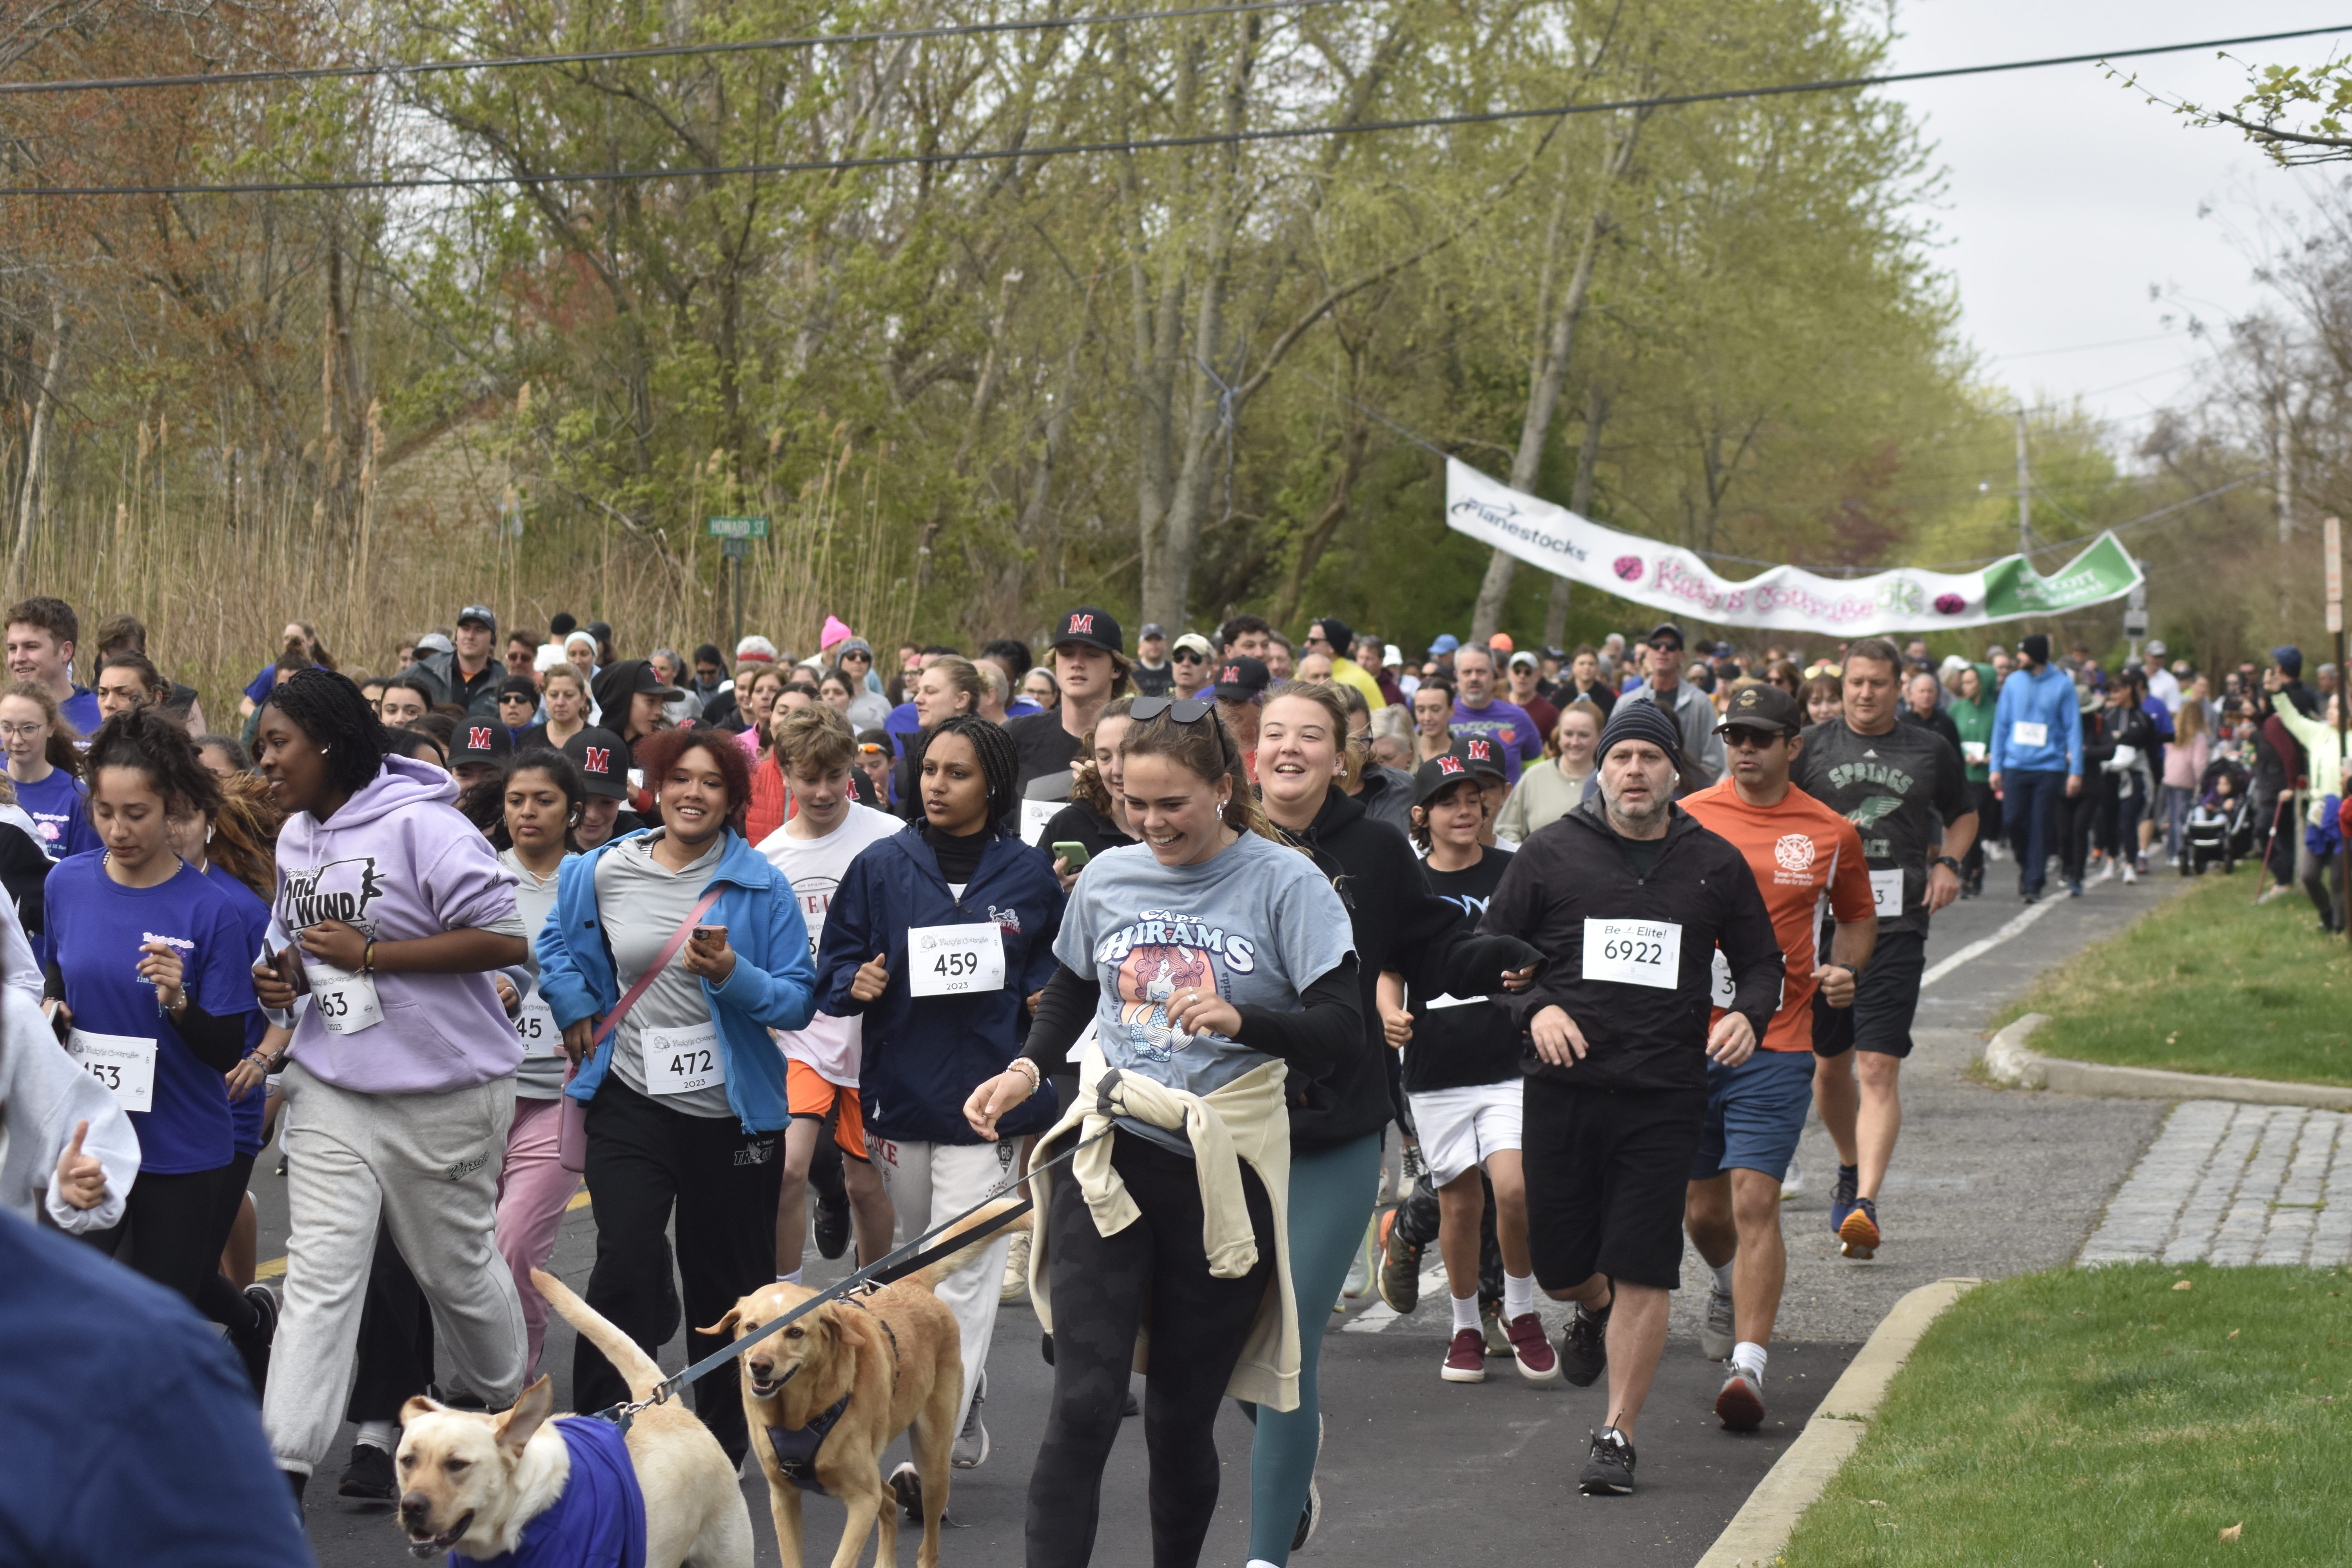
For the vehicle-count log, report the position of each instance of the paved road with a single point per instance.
(1986, 1182)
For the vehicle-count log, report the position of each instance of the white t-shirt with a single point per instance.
(814, 867)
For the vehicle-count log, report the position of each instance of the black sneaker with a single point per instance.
(368, 1476)
(907, 1487)
(1399, 1267)
(1308, 1517)
(831, 1229)
(1608, 1472)
(1849, 1182)
(1584, 1348)
(253, 1346)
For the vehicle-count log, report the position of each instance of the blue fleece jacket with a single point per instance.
(925, 1055)
(2046, 698)
(772, 988)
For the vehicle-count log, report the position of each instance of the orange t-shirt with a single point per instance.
(1802, 853)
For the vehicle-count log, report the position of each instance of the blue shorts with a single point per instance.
(1754, 1112)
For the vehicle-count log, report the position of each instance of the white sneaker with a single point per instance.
(1718, 1331)
(2106, 870)
(1793, 1181)
(2129, 874)
(969, 1449)
(1016, 1270)
(1359, 1272)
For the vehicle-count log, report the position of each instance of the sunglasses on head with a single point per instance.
(1183, 710)
(870, 749)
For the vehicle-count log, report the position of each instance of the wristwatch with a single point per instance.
(1946, 860)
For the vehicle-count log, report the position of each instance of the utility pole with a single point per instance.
(2285, 438)
(2025, 498)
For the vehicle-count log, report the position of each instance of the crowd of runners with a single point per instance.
(768, 954)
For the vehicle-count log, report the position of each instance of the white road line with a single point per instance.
(1979, 948)
(1380, 1314)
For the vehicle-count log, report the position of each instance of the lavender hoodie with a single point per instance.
(398, 862)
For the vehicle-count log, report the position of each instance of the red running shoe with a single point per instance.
(1531, 1349)
(1465, 1358)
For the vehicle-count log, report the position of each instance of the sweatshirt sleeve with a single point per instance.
(1063, 1011)
(2071, 714)
(1328, 1025)
(1997, 744)
(1517, 905)
(783, 997)
(846, 943)
(465, 886)
(561, 985)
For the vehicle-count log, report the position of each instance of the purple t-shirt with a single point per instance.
(1508, 725)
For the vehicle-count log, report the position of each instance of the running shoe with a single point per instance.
(1359, 1270)
(2131, 874)
(369, 1475)
(832, 1226)
(1718, 1333)
(970, 1450)
(1739, 1405)
(1849, 1180)
(1584, 1348)
(253, 1348)
(1858, 1237)
(1531, 1349)
(2106, 869)
(1466, 1357)
(907, 1486)
(2073, 888)
(1015, 1286)
(1400, 1268)
(1793, 1181)
(1609, 1471)
(1415, 1167)
(1308, 1517)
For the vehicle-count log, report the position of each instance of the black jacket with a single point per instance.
(1400, 925)
(1387, 796)
(1640, 1036)
(1940, 721)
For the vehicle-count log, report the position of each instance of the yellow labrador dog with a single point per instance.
(827, 1396)
(471, 1483)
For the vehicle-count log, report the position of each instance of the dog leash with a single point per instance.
(918, 1254)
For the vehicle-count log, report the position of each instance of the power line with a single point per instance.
(650, 51)
(1216, 139)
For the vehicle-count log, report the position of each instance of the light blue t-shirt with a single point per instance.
(1256, 922)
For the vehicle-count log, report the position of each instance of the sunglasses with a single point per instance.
(868, 748)
(1183, 710)
(1186, 656)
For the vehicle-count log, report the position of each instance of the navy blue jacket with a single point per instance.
(924, 1056)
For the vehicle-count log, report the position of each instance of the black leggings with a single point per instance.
(174, 1227)
(1103, 1289)
(217, 1297)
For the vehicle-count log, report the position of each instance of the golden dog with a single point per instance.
(835, 1388)
(469, 1482)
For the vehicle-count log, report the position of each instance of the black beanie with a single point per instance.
(2034, 646)
(1634, 720)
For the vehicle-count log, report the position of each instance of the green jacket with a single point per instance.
(1974, 721)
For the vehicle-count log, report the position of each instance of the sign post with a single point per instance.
(2331, 548)
(734, 535)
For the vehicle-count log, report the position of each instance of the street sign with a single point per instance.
(734, 549)
(2331, 549)
(737, 527)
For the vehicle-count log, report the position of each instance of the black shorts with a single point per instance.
(1886, 999)
(1607, 1172)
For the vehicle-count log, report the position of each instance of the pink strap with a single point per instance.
(669, 950)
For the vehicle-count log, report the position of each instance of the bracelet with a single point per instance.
(367, 958)
(1036, 1078)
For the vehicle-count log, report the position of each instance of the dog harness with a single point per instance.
(796, 1447)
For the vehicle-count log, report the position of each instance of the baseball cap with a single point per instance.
(1192, 642)
(2157, 648)
(1437, 774)
(1666, 630)
(1500, 642)
(1090, 627)
(1526, 656)
(603, 761)
(480, 741)
(519, 685)
(1151, 629)
(1762, 706)
(1391, 655)
(1481, 755)
(477, 613)
(757, 650)
(434, 642)
(1242, 678)
(1446, 643)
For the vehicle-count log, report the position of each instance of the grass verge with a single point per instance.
(2104, 1416)
(2207, 982)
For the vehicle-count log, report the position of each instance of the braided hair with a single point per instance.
(150, 740)
(326, 707)
(1000, 764)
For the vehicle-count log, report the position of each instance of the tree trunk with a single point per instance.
(1355, 441)
(1550, 368)
(36, 443)
(1579, 501)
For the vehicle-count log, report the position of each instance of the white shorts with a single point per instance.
(1460, 1127)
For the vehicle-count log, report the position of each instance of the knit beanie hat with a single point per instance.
(1637, 720)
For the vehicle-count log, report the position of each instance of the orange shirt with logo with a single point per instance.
(1802, 852)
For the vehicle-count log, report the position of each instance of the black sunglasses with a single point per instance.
(1186, 656)
(1183, 710)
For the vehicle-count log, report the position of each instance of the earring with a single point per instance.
(324, 750)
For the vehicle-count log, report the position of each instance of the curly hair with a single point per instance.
(658, 752)
(329, 709)
(151, 743)
(1000, 764)
(245, 833)
(1092, 788)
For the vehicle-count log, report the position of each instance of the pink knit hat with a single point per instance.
(835, 631)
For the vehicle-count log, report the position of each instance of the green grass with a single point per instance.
(2101, 1417)
(2207, 982)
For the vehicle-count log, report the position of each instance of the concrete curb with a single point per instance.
(2008, 1060)
(1765, 1520)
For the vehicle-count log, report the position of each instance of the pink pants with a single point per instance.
(533, 1191)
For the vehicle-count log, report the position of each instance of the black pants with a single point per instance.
(216, 1298)
(1988, 809)
(646, 1160)
(2075, 815)
(396, 1345)
(1104, 1287)
(172, 1230)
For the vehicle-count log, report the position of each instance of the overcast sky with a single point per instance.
(2068, 196)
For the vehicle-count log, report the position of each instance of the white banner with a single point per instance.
(1785, 598)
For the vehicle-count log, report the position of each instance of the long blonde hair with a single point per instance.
(1355, 750)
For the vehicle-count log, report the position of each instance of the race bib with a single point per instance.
(1722, 991)
(1974, 750)
(1435, 1002)
(534, 1025)
(680, 1062)
(1635, 953)
(1886, 894)
(952, 961)
(124, 1063)
(1035, 814)
(2025, 734)
(346, 1003)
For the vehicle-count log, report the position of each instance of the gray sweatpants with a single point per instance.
(428, 1166)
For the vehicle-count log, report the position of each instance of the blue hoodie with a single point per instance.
(2047, 698)
(772, 988)
(924, 1056)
